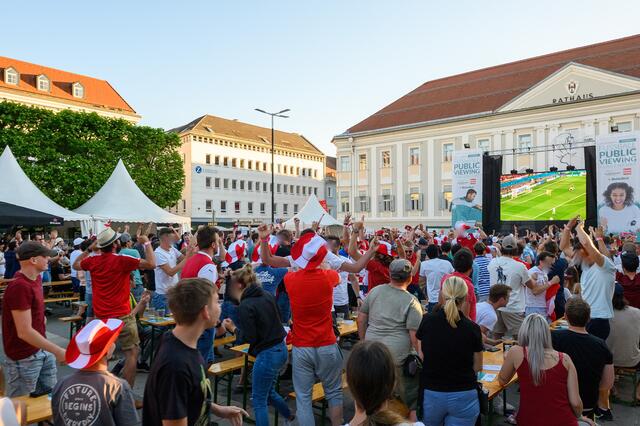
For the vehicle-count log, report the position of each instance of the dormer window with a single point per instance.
(42, 83)
(11, 76)
(78, 90)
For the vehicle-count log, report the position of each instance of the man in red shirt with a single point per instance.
(111, 285)
(31, 358)
(629, 278)
(463, 265)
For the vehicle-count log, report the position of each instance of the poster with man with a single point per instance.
(466, 206)
(618, 171)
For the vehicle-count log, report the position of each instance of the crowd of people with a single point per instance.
(428, 305)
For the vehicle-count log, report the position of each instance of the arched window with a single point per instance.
(42, 83)
(11, 76)
(78, 90)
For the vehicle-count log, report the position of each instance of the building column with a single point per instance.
(551, 141)
(430, 199)
(509, 144)
(539, 160)
(399, 185)
(603, 126)
(373, 181)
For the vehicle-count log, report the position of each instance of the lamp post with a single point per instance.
(273, 185)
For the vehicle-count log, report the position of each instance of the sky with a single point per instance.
(333, 63)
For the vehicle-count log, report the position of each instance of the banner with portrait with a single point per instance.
(618, 170)
(466, 186)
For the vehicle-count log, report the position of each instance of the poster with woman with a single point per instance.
(618, 183)
(466, 206)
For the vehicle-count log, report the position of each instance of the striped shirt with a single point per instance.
(481, 280)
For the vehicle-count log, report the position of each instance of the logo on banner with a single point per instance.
(626, 171)
(472, 181)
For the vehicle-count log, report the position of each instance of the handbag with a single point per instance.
(412, 365)
(483, 399)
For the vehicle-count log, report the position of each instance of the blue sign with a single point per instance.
(198, 169)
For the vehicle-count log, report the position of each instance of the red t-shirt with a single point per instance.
(22, 294)
(471, 294)
(416, 278)
(378, 274)
(631, 288)
(111, 283)
(527, 264)
(468, 242)
(311, 297)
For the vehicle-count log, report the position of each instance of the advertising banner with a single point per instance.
(466, 206)
(618, 177)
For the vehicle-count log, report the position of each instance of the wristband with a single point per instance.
(147, 244)
(599, 239)
(265, 240)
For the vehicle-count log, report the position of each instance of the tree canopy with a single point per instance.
(70, 155)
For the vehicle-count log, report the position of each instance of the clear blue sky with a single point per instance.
(332, 62)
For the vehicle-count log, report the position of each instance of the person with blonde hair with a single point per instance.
(452, 348)
(548, 378)
(371, 377)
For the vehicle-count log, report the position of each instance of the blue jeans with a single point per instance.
(451, 408)
(159, 301)
(137, 291)
(75, 284)
(205, 344)
(284, 307)
(266, 369)
(36, 373)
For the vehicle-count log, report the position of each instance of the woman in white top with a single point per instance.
(619, 213)
(371, 376)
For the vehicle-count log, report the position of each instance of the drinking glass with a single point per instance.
(340, 318)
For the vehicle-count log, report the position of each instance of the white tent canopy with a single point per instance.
(312, 212)
(120, 200)
(16, 188)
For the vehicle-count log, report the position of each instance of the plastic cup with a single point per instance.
(340, 318)
(161, 314)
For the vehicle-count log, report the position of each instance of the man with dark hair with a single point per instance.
(536, 289)
(463, 266)
(506, 270)
(590, 355)
(629, 279)
(111, 285)
(169, 261)
(178, 391)
(284, 240)
(486, 316)
(431, 272)
(480, 276)
(558, 269)
(445, 249)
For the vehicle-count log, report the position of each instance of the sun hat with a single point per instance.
(273, 247)
(385, 248)
(78, 241)
(309, 251)
(29, 249)
(236, 251)
(106, 237)
(92, 342)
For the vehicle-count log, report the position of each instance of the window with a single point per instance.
(524, 143)
(304, 190)
(250, 207)
(241, 185)
(447, 152)
(258, 165)
(414, 156)
(207, 182)
(264, 186)
(315, 191)
(484, 144)
(234, 184)
(225, 183)
(250, 165)
(298, 189)
(262, 208)
(250, 185)
(184, 205)
(345, 164)
(234, 162)
(285, 209)
(278, 186)
(329, 192)
(223, 206)
(286, 189)
(279, 168)
(362, 162)
(258, 186)
(447, 196)
(225, 162)
(264, 167)
(363, 202)
(315, 173)
(286, 169)
(386, 205)
(386, 159)
(11, 76)
(624, 126)
(242, 164)
(344, 202)
(304, 171)
(42, 83)
(415, 198)
(78, 90)
(216, 160)
(275, 208)
(295, 209)
(297, 171)
(216, 183)
(236, 206)
(207, 205)
(207, 159)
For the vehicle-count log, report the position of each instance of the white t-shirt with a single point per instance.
(540, 300)
(485, 315)
(597, 284)
(341, 291)
(72, 258)
(165, 257)
(505, 270)
(625, 220)
(433, 270)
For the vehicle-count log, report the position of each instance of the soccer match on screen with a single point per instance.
(543, 196)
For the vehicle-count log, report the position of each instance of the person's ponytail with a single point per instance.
(384, 417)
(454, 291)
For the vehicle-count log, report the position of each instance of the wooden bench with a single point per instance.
(224, 341)
(634, 375)
(223, 371)
(75, 321)
(317, 396)
(61, 299)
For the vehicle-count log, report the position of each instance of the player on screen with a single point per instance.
(572, 187)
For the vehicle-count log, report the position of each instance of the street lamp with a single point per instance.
(273, 185)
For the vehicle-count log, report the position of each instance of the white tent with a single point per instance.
(120, 200)
(312, 212)
(16, 188)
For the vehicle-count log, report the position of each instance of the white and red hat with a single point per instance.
(274, 243)
(92, 342)
(309, 251)
(385, 248)
(237, 250)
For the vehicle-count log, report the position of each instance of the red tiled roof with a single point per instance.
(97, 93)
(488, 89)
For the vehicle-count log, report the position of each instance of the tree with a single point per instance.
(70, 155)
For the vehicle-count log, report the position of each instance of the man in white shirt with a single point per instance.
(486, 316)
(169, 261)
(505, 270)
(341, 291)
(431, 272)
(536, 291)
(75, 281)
